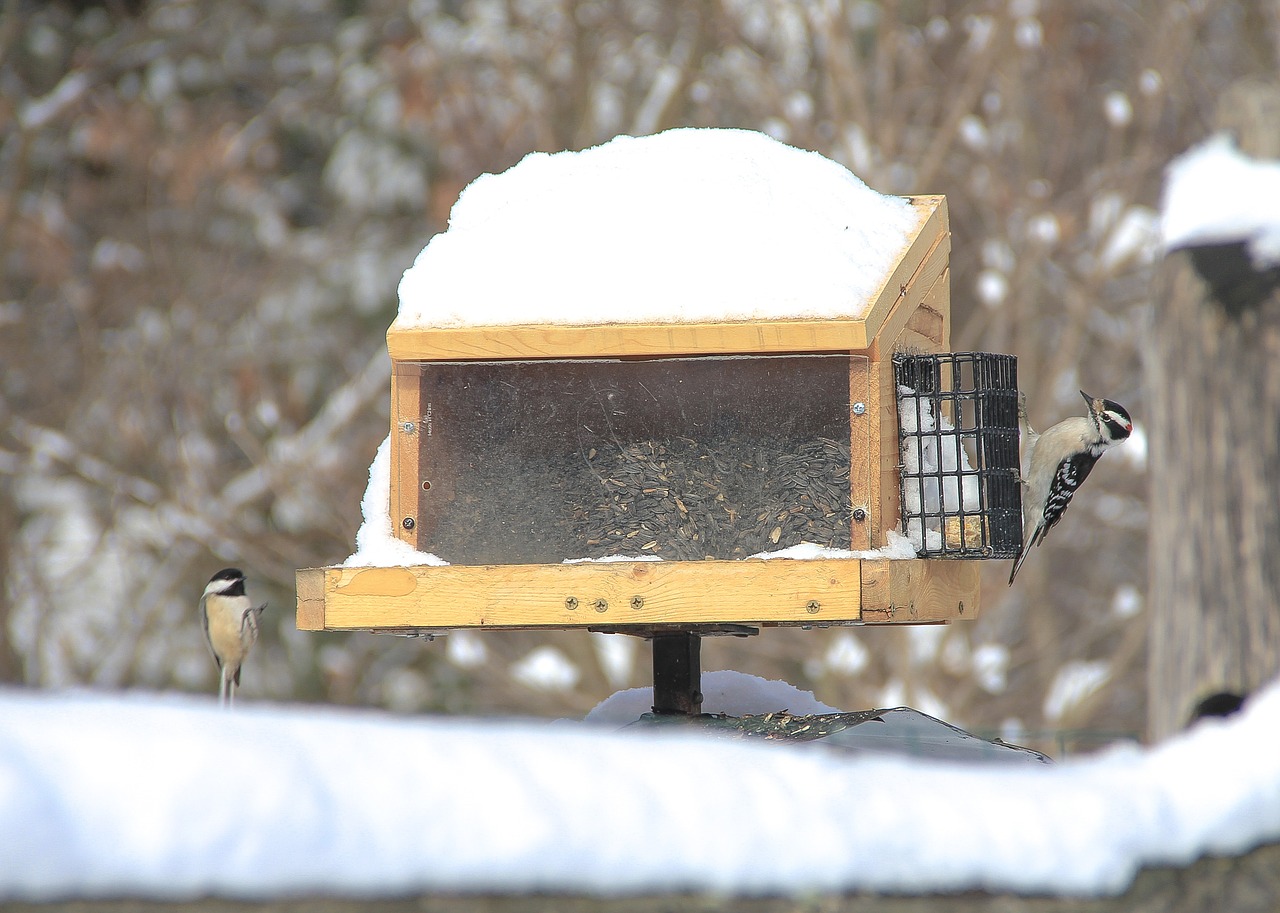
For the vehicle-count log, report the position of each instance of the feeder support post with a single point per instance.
(677, 673)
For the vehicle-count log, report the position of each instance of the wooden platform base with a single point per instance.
(637, 595)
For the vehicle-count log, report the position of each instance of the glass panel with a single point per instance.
(682, 458)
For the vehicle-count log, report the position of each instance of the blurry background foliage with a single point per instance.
(205, 209)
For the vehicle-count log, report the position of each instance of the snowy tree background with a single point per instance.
(205, 208)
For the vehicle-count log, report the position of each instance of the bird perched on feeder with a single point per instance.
(230, 624)
(1058, 461)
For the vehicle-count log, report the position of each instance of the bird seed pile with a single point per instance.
(685, 500)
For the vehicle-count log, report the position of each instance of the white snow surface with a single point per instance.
(688, 225)
(1214, 194)
(168, 797)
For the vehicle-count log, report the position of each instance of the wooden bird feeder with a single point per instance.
(514, 448)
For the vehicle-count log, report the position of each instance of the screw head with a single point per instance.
(571, 602)
(407, 523)
(812, 606)
(859, 514)
(407, 427)
(859, 408)
(637, 602)
(601, 605)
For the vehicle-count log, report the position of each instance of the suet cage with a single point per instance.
(958, 431)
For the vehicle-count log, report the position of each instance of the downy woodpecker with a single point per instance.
(230, 624)
(1057, 463)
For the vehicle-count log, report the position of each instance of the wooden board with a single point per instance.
(407, 424)
(640, 594)
(729, 338)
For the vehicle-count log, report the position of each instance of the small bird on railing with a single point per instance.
(230, 624)
(1058, 461)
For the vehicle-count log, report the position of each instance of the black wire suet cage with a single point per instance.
(959, 444)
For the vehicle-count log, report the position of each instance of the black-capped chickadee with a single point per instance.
(230, 624)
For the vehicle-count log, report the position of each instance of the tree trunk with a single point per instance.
(1213, 377)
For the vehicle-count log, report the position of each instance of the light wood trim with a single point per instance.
(310, 601)
(920, 591)
(406, 450)
(729, 338)
(620, 340)
(691, 593)
(864, 449)
(588, 595)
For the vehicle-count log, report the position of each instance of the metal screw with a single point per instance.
(571, 602)
(859, 408)
(962, 608)
(407, 523)
(859, 514)
(407, 427)
(637, 602)
(812, 606)
(601, 605)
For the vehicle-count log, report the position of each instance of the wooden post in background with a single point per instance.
(1213, 376)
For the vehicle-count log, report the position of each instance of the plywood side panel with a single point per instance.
(920, 264)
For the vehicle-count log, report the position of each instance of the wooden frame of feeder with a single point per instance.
(911, 310)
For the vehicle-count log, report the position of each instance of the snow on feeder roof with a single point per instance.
(690, 225)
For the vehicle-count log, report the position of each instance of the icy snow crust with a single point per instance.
(169, 797)
(688, 225)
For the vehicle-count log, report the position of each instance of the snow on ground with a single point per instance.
(165, 796)
(683, 226)
(1214, 194)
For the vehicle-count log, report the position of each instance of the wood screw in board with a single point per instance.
(859, 514)
(407, 427)
(601, 605)
(812, 606)
(859, 408)
(407, 523)
(637, 602)
(571, 603)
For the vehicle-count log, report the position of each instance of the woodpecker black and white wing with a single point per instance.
(1069, 476)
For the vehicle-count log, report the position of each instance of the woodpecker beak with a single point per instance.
(1088, 399)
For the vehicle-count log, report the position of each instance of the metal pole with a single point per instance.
(677, 673)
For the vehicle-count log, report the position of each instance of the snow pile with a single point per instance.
(734, 693)
(376, 545)
(896, 547)
(1214, 194)
(683, 226)
(166, 797)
